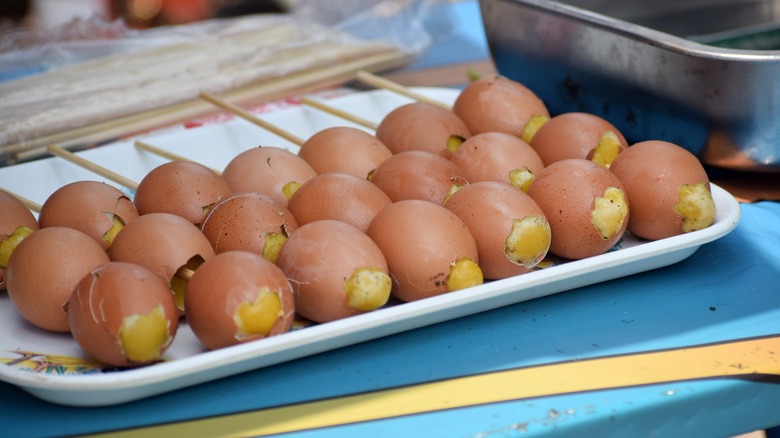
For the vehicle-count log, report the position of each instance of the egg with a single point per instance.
(122, 314)
(578, 135)
(421, 126)
(497, 103)
(498, 156)
(668, 188)
(269, 170)
(429, 250)
(336, 271)
(417, 175)
(166, 244)
(338, 196)
(344, 149)
(98, 209)
(248, 221)
(43, 271)
(238, 297)
(509, 228)
(585, 204)
(16, 223)
(183, 188)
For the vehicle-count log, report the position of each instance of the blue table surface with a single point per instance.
(726, 290)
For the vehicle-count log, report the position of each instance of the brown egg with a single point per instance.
(122, 314)
(97, 209)
(511, 231)
(248, 221)
(238, 297)
(336, 271)
(585, 204)
(417, 175)
(421, 126)
(166, 244)
(338, 196)
(272, 171)
(183, 188)
(344, 149)
(668, 188)
(428, 249)
(578, 135)
(496, 103)
(16, 223)
(498, 156)
(45, 268)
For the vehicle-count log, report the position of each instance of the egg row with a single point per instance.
(436, 201)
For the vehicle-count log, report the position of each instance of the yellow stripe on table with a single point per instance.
(730, 359)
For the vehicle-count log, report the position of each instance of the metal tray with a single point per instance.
(704, 74)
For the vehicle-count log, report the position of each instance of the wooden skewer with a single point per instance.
(33, 206)
(251, 118)
(380, 82)
(339, 113)
(102, 171)
(165, 154)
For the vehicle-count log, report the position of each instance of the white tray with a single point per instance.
(53, 368)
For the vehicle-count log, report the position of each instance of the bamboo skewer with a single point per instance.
(33, 206)
(102, 171)
(166, 154)
(339, 113)
(251, 118)
(380, 82)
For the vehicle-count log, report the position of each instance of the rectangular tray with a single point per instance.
(699, 73)
(52, 366)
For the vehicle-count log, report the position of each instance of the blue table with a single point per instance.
(728, 290)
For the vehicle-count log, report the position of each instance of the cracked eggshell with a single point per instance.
(222, 284)
(87, 206)
(13, 214)
(45, 268)
(576, 135)
(344, 149)
(417, 175)
(420, 126)
(495, 156)
(105, 303)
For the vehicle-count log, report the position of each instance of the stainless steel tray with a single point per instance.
(704, 74)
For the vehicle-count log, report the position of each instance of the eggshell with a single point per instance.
(183, 188)
(238, 289)
(122, 314)
(511, 231)
(45, 268)
(578, 135)
(329, 263)
(497, 156)
(576, 195)
(248, 221)
(417, 175)
(13, 214)
(267, 170)
(338, 196)
(420, 126)
(496, 103)
(421, 242)
(88, 206)
(660, 178)
(162, 243)
(344, 149)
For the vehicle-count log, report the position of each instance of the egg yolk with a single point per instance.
(464, 273)
(273, 243)
(368, 289)
(8, 244)
(143, 337)
(533, 125)
(696, 207)
(116, 224)
(258, 317)
(290, 188)
(521, 178)
(607, 149)
(454, 142)
(609, 212)
(528, 240)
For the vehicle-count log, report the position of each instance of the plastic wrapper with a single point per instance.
(105, 70)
